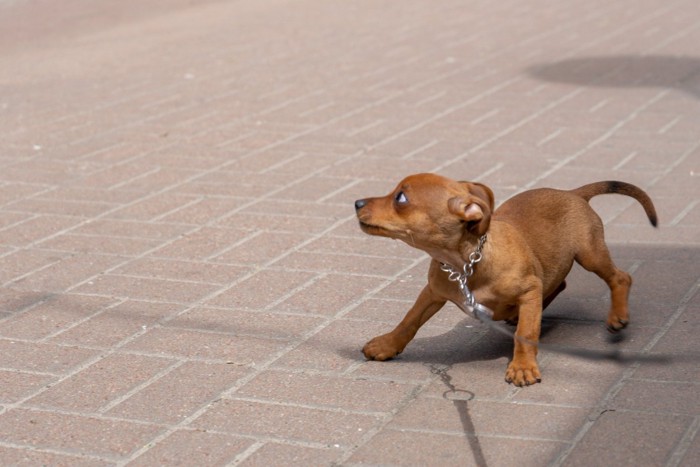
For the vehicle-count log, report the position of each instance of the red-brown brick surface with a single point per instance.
(182, 280)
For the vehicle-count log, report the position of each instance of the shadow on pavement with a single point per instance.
(660, 71)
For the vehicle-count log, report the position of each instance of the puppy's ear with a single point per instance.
(474, 207)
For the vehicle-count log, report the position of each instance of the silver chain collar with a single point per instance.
(462, 277)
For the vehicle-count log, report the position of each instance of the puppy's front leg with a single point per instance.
(391, 344)
(523, 369)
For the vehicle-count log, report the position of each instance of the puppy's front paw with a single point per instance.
(523, 373)
(382, 348)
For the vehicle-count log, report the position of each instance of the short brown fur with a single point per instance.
(533, 240)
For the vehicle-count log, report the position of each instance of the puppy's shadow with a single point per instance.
(470, 341)
(659, 71)
(467, 341)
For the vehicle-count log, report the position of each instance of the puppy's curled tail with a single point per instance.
(600, 188)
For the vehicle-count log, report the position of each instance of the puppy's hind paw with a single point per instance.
(616, 325)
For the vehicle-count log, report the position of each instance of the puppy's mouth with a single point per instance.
(375, 230)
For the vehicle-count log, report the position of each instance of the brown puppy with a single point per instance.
(532, 242)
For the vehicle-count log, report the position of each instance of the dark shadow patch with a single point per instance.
(625, 71)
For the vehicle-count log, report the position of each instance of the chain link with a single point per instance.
(467, 271)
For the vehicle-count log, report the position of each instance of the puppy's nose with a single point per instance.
(360, 203)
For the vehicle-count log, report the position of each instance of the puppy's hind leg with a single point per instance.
(596, 258)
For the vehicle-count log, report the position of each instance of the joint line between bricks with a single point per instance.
(684, 444)
(75, 324)
(45, 450)
(677, 220)
(136, 389)
(322, 408)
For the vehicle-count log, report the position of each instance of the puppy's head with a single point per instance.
(428, 211)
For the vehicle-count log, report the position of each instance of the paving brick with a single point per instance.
(312, 190)
(202, 243)
(273, 453)
(692, 453)
(17, 385)
(67, 273)
(115, 175)
(277, 222)
(140, 288)
(189, 387)
(652, 446)
(36, 228)
(392, 447)
(204, 211)
(100, 383)
(72, 433)
(13, 300)
(273, 325)
(261, 248)
(52, 316)
(670, 279)
(14, 190)
(153, 207)
(151, 180)
(281, 421)
(344, 263)
(21, 456)
(658, 396)
(19, 263)
(335, 348)
(328, 295)
(96, 195)
(208, 345)
(98, 245)
(410, 283)
(367, 246)
(191, 446)
(380, 310)
(189, 271)
(49, 171)
(293, 208)
(62, 207)
(9, 219)
(317, 390)
(133, 229)
(253, 292)
(44, 358)
(116, 324)
(490, 418)
(240, 183)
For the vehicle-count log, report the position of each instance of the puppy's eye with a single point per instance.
(401, 198)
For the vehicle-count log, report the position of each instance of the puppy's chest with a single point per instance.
(484, 293)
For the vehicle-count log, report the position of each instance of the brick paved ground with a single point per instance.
(183, 279)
